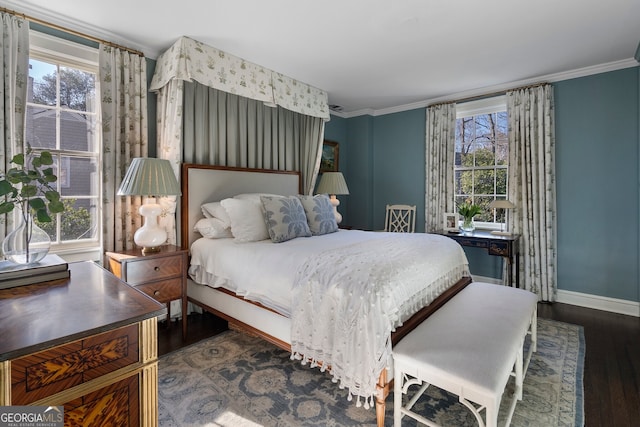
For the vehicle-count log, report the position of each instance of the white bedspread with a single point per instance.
(345, 292)
(347, 301)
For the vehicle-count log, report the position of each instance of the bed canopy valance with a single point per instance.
(191, 60)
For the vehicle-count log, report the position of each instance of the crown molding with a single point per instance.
(550, 78)
(75, 25)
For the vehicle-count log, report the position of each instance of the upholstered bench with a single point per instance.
(470, 347)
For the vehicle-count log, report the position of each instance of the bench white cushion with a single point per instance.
(469, 345)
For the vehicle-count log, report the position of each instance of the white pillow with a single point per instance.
(247, 221)
(216, 210)
(285, 218)
(213, 228)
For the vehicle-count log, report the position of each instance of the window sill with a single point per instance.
(79, 254)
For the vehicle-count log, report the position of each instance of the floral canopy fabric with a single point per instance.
(190, 60)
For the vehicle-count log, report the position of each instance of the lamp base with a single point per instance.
(151, 250)
(150, 236)
(335, 203)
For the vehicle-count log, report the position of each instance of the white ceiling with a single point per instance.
(376, 54)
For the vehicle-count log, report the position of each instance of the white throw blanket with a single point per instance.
(346, 302)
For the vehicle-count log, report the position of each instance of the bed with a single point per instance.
(283, 317)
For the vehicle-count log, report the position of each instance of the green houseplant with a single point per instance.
(467, 211)
(27, 186)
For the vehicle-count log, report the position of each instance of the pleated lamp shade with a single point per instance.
(332, 183)
(147, 176)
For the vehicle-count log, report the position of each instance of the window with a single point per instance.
(62, 118)
(482, 157)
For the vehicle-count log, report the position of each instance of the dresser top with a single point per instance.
(91, 301)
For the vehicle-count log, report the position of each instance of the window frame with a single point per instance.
(47, 48)
(479, 107)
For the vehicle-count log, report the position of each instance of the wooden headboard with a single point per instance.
(205, 183)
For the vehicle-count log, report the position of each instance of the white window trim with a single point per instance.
(481, 106)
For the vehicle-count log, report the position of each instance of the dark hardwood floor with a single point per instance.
(199, 327)
(612, 358)
(611, 366)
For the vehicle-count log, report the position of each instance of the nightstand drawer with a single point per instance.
(164, 290)
(145, 270)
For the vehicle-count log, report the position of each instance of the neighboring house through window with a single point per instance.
(482, 157)
(62, 118)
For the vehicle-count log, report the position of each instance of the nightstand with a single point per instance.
(161, 275)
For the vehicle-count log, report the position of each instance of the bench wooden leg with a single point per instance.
(382, 391)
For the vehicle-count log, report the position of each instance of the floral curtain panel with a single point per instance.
(532, 186)
(170, 109)
(190, 60)
(123, 82)
(13, 95)
(440, 157)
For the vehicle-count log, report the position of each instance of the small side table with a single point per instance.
(497, 245)
(161, 275)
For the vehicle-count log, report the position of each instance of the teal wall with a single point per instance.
(399, 148)
(597, 167)
(597, 138)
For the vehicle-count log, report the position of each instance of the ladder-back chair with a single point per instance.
(400, 219)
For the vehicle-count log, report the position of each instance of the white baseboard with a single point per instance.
(613, 305)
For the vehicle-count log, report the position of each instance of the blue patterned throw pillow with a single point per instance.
(320, 215)
(285, 218)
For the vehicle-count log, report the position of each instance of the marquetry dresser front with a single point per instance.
(88, 343)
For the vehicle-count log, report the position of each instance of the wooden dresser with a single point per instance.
(88, 343)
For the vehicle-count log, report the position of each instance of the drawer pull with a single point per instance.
(156, 293)
(156, 268)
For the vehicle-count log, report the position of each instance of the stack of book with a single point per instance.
(51, 267)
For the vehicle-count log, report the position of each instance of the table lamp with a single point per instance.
(333, 183)
(150, 178)
(501, 204)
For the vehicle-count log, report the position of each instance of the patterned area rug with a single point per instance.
(235, 380)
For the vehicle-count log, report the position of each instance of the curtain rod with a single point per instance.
(488, 95)
(70, 31)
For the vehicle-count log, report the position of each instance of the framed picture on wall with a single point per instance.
(329, 161)
(450, 222)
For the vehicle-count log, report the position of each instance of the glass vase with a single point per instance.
(27, 244)
(467, 225)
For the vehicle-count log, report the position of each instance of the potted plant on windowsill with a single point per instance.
(467, 211)
(27, 186)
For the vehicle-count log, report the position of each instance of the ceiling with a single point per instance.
(376, 55)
